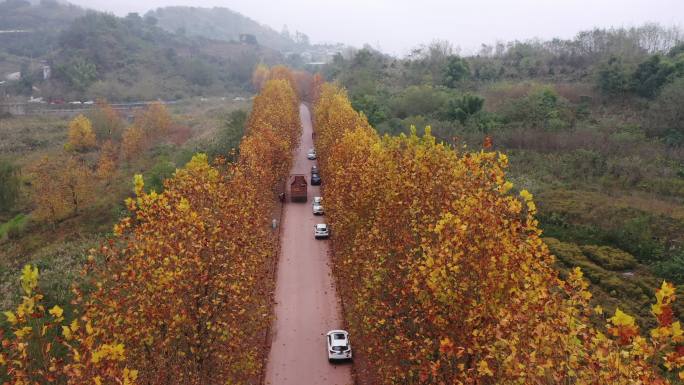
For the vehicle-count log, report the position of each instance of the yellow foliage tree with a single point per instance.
(193, 262)
(81, 135)
(61, 186)
(259, 76)
(42, 347)
(107, 164)
(155, 121)
(106, 121)
(439, 257)
(133, 143)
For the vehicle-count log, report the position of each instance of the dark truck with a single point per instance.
(298, 188)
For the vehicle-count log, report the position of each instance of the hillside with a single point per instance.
(97, 55)
(221, 24)
(40, 26)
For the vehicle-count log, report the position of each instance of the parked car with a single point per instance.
(314, 169)
(317, 206)
(321, 230)
(339, 347)
(311, 155)
(315, 180)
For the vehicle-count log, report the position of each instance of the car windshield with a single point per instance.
(339, 336)
(339, 348)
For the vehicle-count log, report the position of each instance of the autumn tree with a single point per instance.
(81, 135)
(133, 143)
(155, 121)
(42, 347)
(182, 291)
(107, 164)
(61, 186)
(186, 281)
(106, 121)
(441, 257)
(259, 76)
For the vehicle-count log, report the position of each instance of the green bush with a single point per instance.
(609, 258)
(229, 136)
(14, 227)
(541, 108)
(457, 70)
(671, 269)
(419, 100)
(162, 170)
(463, 108)
(373, 106)
(612, 78)
(9, 185)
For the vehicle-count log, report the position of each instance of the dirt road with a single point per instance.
(306, 302)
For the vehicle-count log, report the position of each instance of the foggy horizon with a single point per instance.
(397, 27)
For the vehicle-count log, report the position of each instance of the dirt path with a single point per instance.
(306, 302)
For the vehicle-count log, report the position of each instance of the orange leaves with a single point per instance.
(61, 186)
(132, 142)
(434, 251)
(155, 121)
(623, 327)
(175, 282)
(45, 348)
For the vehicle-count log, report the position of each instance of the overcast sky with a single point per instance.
(395, 26)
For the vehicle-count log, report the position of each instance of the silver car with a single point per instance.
(311, 155)
(317, 206)
(317, 209)
(321, 230)
(339, 347)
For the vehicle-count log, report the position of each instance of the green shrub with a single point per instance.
(671, 269)
(541, 108)
(162, 170)
(9, 185)
(14, 227)
(609, 258)
(419, 100)
(463, 108)
(229, 136)
(373, 106)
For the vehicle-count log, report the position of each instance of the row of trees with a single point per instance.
(440, 258)
(182, 291)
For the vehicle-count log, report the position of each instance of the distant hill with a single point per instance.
(94, 54)
(41, 22)
(223, 24)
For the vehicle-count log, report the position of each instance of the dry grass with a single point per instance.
(25, 138)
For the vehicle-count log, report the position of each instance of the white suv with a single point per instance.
(317, 206)
(321, 230)
(339, 347)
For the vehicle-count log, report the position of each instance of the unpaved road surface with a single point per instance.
(306, 302)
